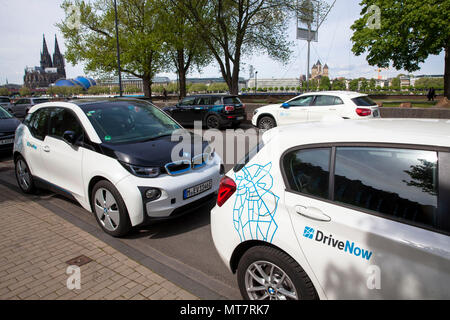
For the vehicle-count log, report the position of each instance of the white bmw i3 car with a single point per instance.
(316, 106)
(354, 209)
(116, 158)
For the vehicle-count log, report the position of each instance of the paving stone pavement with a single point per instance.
(35, 245)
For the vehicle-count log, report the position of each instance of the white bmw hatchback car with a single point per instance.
(351, 210)
(316, 106)
(116, 158)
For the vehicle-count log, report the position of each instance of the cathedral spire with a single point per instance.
(46, 60)
(58, 60)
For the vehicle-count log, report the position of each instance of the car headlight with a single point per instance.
(256, 111)
(143, 172)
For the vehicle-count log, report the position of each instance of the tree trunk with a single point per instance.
(181, 73)
(147, 84)
(447, 73)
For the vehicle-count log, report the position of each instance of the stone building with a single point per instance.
(49, 71)
(318, 71)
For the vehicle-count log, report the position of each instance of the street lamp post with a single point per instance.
(256, 81)
(118, 49)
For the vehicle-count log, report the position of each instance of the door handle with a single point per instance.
(46, 148)
(312, 213)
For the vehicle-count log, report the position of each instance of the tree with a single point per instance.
(4, 92)
(234, 28)
(395, 84)
(181, 43)
(338, 85)
(408, 33)
(372, 84)
(24, 92)
(325, 84)
(94, 41)
(354, 85)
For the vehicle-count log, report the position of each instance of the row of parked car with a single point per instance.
(325, 209)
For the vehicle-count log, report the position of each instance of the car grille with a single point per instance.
(5, 134)
(183, 166)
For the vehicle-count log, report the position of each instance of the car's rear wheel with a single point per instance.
(109, 209)
(24, 176)
(213, 122)
(265, 273)
(266, 123)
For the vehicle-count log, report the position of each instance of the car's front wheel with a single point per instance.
(265, 273)
(266, 123)
(109, 209)
(24, 176)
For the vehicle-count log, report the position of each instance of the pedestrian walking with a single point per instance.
(165, 94)
(431, 94)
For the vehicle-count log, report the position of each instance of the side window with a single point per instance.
(188, 101)
(324, 101)
(204, 101)
(38, 124)
(21, 101)
(308, 171)
(62, 120)
(217, 101)
(338, 101)
(398, 183)
(302, 101)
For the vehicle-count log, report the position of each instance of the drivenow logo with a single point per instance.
(346, 246)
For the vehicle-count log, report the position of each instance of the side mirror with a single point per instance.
(70, 137)
(285, 105)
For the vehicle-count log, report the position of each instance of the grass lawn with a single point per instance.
(415, 103)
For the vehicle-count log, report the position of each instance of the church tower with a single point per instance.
(46, 60)
(58, 60)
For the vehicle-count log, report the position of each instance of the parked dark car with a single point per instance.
(215, 111)
(5, 102)
(23, 105)
(8, 126)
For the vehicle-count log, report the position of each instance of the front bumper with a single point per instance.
(171, 202)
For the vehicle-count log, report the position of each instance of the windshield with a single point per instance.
(364, 101)
(128, 121)
(248, 157)
(5, 114)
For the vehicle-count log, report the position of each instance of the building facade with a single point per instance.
(49, 71)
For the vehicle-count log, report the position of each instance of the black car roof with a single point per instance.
(212, 95)
(89, 102)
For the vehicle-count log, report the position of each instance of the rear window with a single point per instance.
(231, 100)
(249, 156)
(364, 101)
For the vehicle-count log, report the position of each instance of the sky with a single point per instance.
(23, 22)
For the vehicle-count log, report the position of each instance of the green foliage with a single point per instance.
(197, 87)
(354, 85)
(409, 32)
(24, 92)
(426, 83)
(65, 91)
(338, 85)
(218, 87)
(325, 84)
(4, 92)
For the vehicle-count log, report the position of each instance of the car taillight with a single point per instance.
(229, 108)
(226, 189)
(363, 112)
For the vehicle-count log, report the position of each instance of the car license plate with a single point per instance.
(196, 190)
(240, 118)
(7, 141)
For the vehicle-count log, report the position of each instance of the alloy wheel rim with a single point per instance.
(23, 175)
(266, 281)
(266, 124)
(213, 123)
(106, 209)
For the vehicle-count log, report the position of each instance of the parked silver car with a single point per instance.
(23, 105)
(5, 103)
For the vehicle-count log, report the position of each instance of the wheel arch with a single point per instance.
(94, 180)
(262, 115)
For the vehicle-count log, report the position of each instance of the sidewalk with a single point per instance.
(35, 245)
